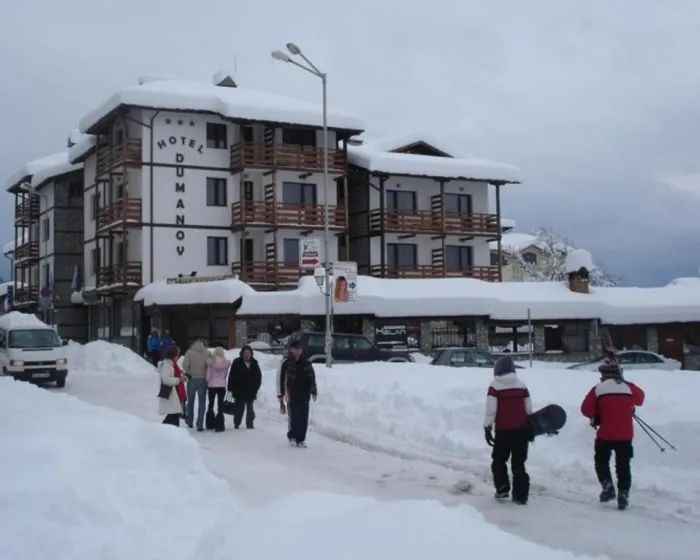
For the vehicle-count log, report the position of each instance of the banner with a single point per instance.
(309, 253)
(344, 281)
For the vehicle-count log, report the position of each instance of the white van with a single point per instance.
(31, 350)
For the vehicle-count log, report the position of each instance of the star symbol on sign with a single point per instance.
(167, 121)
(180, 122)
(191, 123)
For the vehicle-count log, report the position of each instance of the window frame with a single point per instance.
(214, 136)
(216, 187)
(217, 251)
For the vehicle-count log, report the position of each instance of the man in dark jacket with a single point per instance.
(610, 407)
(244, 380)
(296, 382)
(508, 407)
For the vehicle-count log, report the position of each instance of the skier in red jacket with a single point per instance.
(610, 406)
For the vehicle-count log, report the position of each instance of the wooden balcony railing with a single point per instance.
(126, 154)
(487, 273)
(122, 274)
(27, 211)
(26, 296)
(433, 222)
(26, 252)
(252, 213)
(260, 273)
(278, 156)
(122, 213)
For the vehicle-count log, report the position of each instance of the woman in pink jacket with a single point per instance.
(217, 369)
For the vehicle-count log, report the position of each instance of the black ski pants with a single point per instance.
(242, 406)
(218, 394)
(298, 420)
(513, 445)
(623, 456)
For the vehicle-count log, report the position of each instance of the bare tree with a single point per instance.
(552, 266)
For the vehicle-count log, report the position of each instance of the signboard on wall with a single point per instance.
(309, 253)
(344, 281)
(397, 335)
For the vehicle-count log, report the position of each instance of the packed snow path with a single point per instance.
(259, 466)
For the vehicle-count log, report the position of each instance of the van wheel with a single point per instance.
(61, 383)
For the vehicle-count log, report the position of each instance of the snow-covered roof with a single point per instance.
(17, 320)
(229, 102)
(514, 242)
(82, 146)
(507, 223)
(578, 259)
(29, 169)
(448, 297)
(60, 166)
(691, 281)
(374, 156)
(394, 142)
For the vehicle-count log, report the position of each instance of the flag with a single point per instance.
(77, 283)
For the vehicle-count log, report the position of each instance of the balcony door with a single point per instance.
(400, 201)
(247, 251)
(458, 257)
(458, 203)
(302, 196)
(401, 256)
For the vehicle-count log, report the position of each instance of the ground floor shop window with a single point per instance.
(452, 333)
(272, 333)
(397, 335)
(506, 339)
(567, 338)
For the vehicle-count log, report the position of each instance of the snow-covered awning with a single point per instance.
(229, 102)
(193, 291)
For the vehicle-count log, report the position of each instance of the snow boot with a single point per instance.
(502, 493)
(220, 422)
(623, 500)
(608, 493)
(210, 420)
(301, 444)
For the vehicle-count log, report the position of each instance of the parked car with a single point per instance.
(32, 353)
(464, 357)
(346, 348)
(634, 359)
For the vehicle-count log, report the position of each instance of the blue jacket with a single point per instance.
(153, 342)
(166, 341)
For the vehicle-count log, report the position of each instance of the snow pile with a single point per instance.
(578, 259)
(378, 156)
(83, 482)
(436, 413)
(101, 357)
(232, 103)
(60, 166)
(17, 320)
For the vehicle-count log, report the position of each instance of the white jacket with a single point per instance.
(172, 404)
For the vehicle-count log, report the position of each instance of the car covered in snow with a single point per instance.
(464, 357)
(634, 359)
(346, 348)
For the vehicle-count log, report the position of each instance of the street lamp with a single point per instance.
(312, 69)
(31, 191)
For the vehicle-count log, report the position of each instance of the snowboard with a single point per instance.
(547, 420)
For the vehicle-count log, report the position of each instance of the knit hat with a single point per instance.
(504, 366)
(610, 368)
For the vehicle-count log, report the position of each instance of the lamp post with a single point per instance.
(31, 191)
(294, 50)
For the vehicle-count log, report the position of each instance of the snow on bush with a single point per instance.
(102, 357)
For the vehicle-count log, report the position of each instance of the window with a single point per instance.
(217, 251)
(95, 260)
(341, 342)
(459, 203)
(33, 338)
(299, 136)
(248, 190)
(647, 358)
(530, 258)
(247, 133)
(362, 344)
(120, 252)
(290, 251)
(216, 136)
(299, 193)
(75, 189)
(401, 255)
(94, 206)
(316, 341)
(216, 191)
(457, 256)
(46, 228)
(400, 200)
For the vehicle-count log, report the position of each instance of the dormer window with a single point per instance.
(530, 258)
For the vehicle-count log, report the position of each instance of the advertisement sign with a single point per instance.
(397, 335)
(309, 253)
(344, 281)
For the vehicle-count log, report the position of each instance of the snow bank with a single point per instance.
(436, 413)
(60, 166)
(101, 357)
(83, 482)
(17, 320)
(33, 167)
(377, 156)
(231, 103)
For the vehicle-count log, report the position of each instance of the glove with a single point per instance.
(283, 409)
(314, 397)
(488, 436)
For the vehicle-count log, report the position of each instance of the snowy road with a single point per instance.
(259, 466)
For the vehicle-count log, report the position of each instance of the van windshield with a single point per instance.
(33, 338)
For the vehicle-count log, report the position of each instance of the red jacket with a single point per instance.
(181, 392)
(612, 401)
(507, 403)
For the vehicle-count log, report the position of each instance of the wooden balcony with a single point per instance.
(486, 273)
(251, 155)
(125, 154)
(433, 222)
(267, 275)
(27, 252)
(119, 275)
(27, 211)
(253, 213)
(124, 213)
(26, 296)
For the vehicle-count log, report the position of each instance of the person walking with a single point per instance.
(153, 347)
(610, 406)
(296, 384)
(166, 341)
(508, 406)
(172, 387)
(195, 367)
(244, 382)
(217, 369)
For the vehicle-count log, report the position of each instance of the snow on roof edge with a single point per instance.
(30, 168)
(50, 172)
(82, 148)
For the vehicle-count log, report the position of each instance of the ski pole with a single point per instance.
(653, 431)
(651, 437)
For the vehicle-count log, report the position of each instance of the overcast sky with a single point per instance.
(596, 101)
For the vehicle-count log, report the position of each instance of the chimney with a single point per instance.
(578, 264)
(223, 79)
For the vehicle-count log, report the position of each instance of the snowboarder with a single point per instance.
(296, 383)
(508, 406)
(244, 380)
(610, 406)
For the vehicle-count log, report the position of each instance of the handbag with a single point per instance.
(229, 405)
(165, 391)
